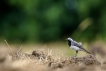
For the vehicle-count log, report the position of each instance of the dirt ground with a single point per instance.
(48, 60)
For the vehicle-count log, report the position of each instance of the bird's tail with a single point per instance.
(86, 51)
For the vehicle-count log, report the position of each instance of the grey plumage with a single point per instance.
(77, 46)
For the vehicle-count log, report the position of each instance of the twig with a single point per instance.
(19, 50)
(9, 47)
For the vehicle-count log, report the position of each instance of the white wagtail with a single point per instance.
(77, 46)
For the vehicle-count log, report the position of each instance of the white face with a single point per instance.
(70, 39)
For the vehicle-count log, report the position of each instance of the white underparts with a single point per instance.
(75, 48)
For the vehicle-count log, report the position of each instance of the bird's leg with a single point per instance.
(76, 54)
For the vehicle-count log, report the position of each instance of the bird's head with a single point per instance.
(70, 39)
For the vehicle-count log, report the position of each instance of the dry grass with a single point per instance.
(39, 61)
(47, 60)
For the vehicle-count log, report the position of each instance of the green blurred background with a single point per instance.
(52, 20)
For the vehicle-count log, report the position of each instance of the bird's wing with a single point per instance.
(80, 46)
(76, 44)
(79, 43)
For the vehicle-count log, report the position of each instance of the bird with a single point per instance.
(77, 46)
